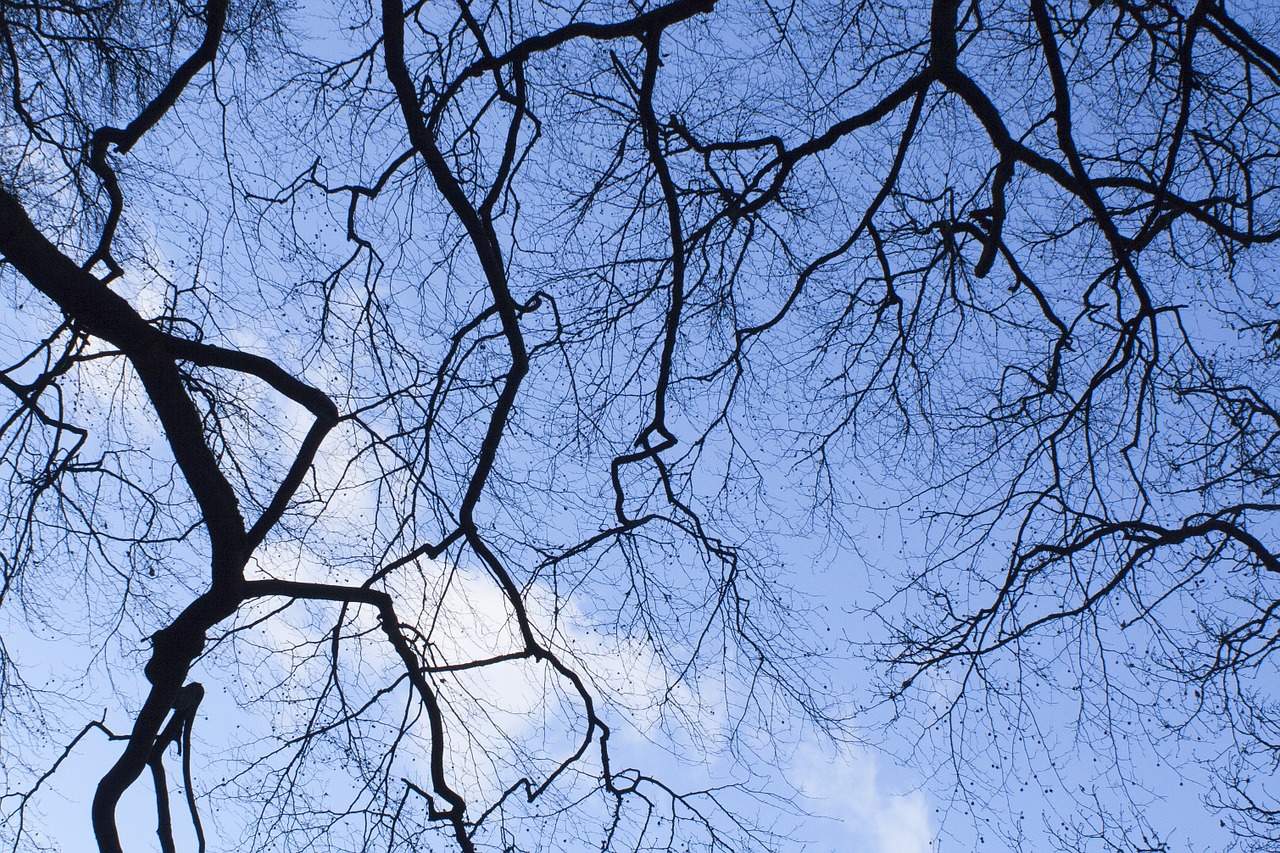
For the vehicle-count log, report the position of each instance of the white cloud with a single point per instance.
(854, 810)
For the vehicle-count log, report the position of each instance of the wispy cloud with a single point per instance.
(854, 809)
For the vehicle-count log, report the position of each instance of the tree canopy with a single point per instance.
(398, 398)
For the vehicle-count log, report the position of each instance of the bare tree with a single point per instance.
(447, 380)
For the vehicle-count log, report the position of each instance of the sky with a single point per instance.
(245, 229)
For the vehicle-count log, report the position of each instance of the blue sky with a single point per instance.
(863, 428)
